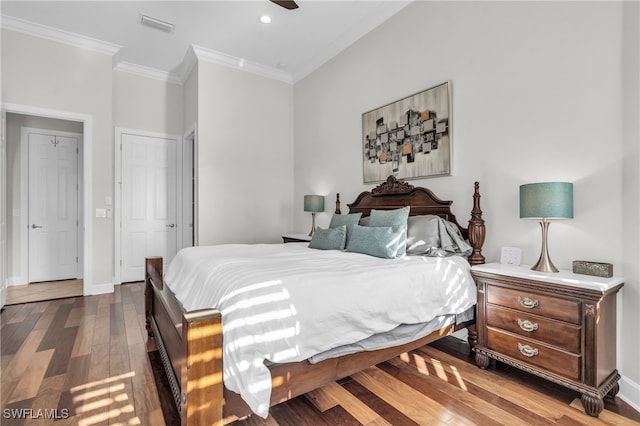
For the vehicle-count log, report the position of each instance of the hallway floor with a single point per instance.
(37, 292)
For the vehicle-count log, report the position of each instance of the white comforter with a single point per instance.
(287, 302)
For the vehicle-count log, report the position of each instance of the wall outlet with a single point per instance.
(510, 256)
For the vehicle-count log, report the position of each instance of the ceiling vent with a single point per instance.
(156, 23)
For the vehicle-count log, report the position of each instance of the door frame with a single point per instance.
(189, 177)
(24, 200)
(3, 208)
(117, 191)
(87, 181)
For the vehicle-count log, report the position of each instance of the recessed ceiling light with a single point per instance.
(156, 23)
(265, 19)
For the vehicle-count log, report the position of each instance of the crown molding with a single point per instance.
(186, 66)
(193, 54)
(148, 72)
(60, 36)
(219, 58)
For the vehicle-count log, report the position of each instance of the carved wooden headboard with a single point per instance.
(395, 194)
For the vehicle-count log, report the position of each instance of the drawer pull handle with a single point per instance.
(527, 302)
(527, 325)
(527, 350)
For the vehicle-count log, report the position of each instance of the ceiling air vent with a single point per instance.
(156, 23)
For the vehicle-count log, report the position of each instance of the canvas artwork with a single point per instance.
(409, 138)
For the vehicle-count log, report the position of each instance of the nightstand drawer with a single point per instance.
(535, 353)
(535, 303)
(562, 335)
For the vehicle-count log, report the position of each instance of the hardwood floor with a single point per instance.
(37, 292)
(86, 361)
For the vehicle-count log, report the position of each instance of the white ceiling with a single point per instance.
(294, 44)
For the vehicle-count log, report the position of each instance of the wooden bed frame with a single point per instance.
(190, 343)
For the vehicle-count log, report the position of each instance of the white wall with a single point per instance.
(146, 104)
(629, 311)
(245, 152)
(53, 76)
(536, 95)
(190, 100)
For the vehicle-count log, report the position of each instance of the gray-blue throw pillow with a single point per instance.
(345, 219)
(329, 239)
(397, 217)
(379, 241)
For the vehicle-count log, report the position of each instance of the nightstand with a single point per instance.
(559, 326)
(296, 238)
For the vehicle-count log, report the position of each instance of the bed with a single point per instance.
(190, 341)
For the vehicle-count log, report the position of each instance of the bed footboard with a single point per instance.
(190, 346)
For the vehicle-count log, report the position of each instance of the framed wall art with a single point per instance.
(409, 138)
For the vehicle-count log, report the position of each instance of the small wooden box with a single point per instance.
(596, 269)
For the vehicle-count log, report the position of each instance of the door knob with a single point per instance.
(171, 226)
(34, 226)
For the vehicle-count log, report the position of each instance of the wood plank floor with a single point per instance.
(86, 361)
(36, 292)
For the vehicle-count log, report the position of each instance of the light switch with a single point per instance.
(101, 212)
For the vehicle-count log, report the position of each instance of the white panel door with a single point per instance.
(149, 207)
(53, 207)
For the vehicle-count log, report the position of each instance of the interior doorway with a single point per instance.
(15, 199)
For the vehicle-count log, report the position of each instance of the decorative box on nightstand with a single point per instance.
(296, 238)
(559, 326)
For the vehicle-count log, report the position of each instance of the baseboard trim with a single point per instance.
(630, 392)
(95, 289)
(13, 281)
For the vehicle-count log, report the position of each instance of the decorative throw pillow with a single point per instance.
(397, 217)
(345, 219)
(379, 241)
(329, 239)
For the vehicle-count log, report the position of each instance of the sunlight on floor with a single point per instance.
(422, 366)
(439, 369)
(105, 400)
(456, 373)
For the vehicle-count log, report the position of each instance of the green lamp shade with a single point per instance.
(546, 200)
(314, 203)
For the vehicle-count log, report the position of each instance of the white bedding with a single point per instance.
(287, 302)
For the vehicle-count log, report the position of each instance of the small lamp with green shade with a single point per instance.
(313, 204)
(546, 201)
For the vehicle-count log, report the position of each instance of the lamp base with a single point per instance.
(313, 224)
(544, 263)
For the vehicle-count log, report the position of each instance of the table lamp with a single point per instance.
(545, 201)
(313, 204)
